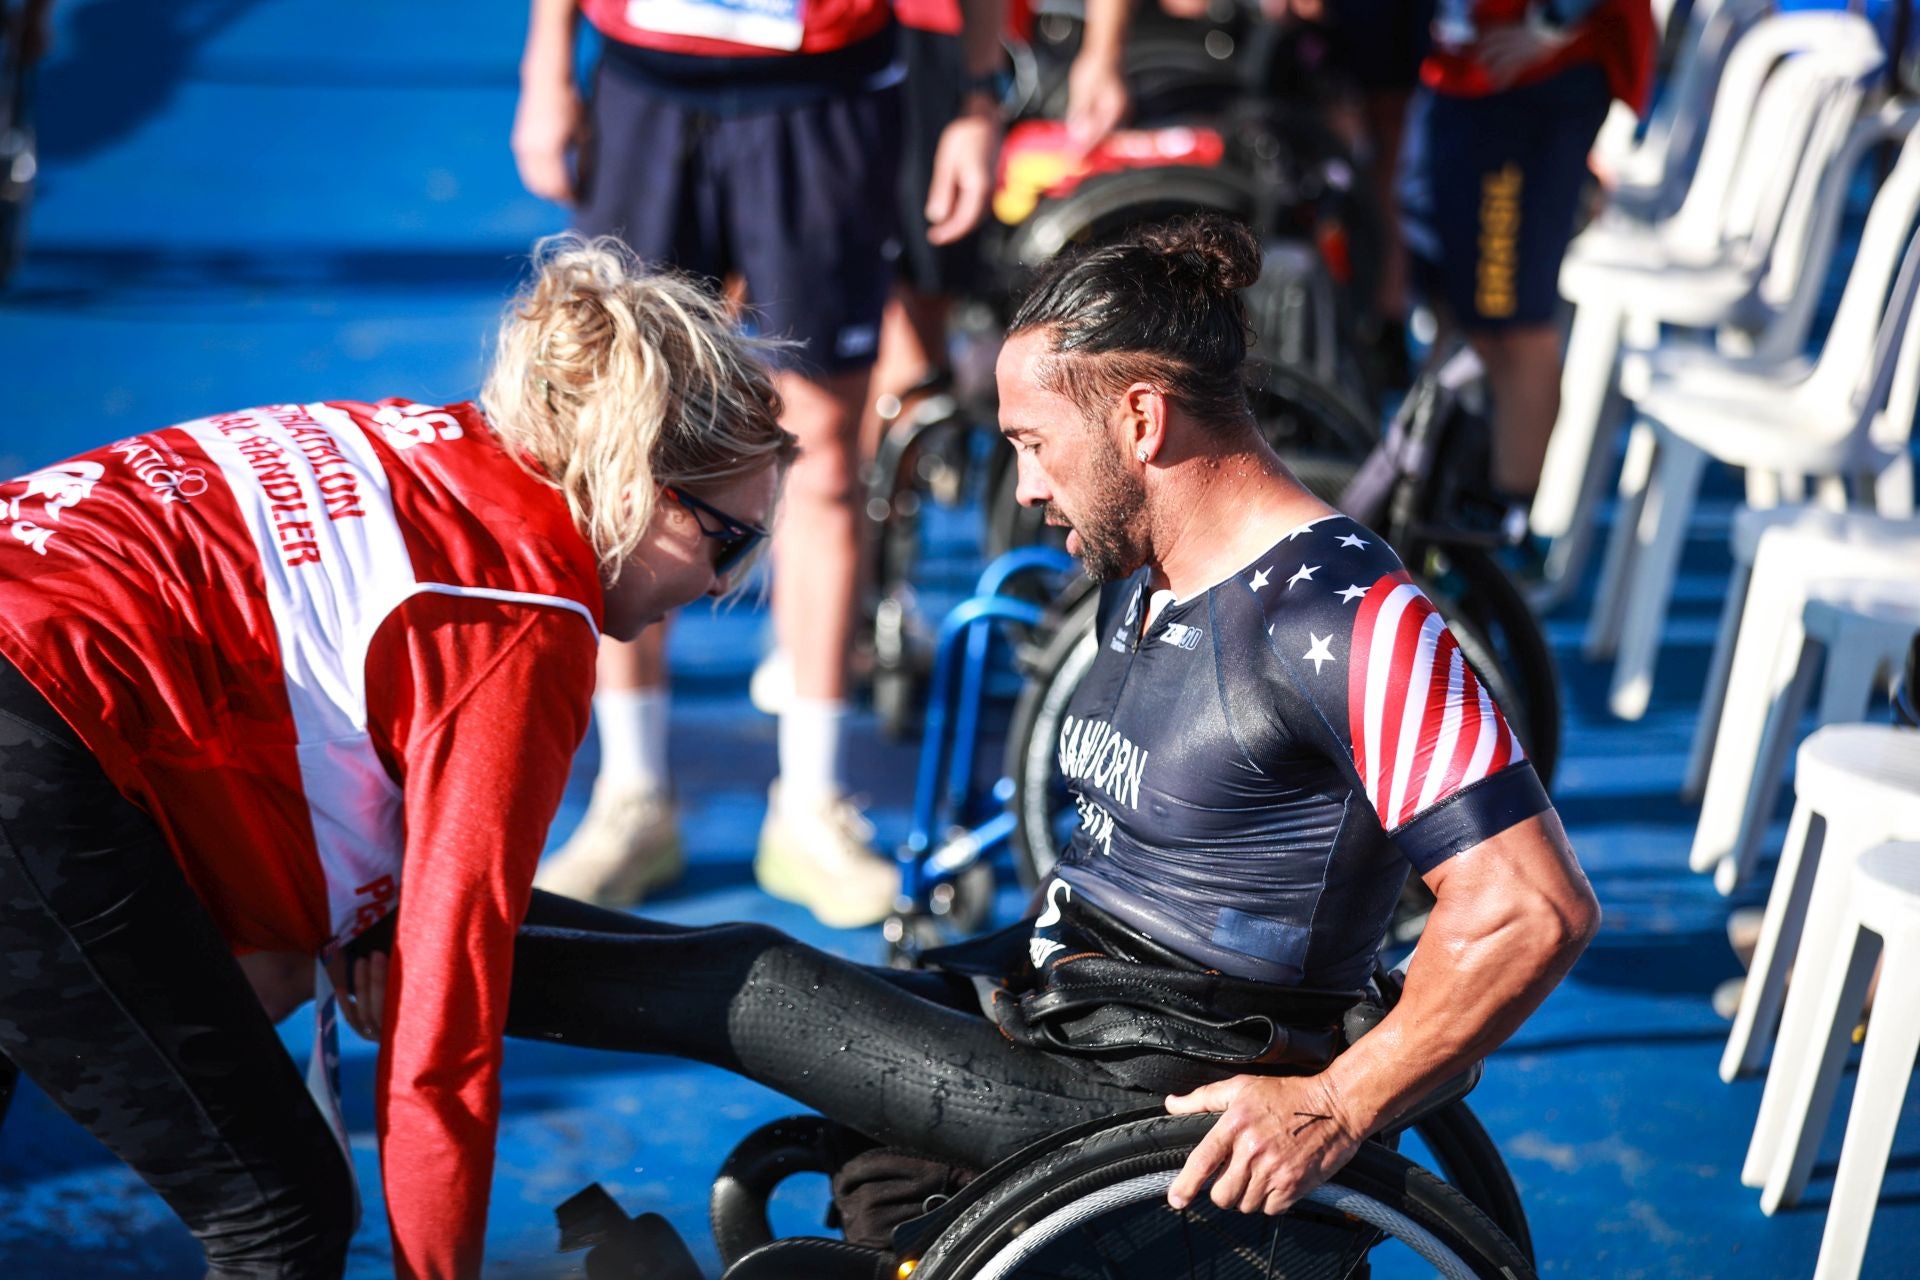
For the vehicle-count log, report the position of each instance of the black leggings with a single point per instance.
(905, 1058)
(120, 999)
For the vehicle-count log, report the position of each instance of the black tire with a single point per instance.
(1038, 793)
(1303, 417)
(760, 1162)
(1465, 1156)
(1108, 1189)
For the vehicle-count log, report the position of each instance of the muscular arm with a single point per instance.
(1513, 914)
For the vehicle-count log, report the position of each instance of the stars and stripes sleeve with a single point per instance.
(1398, 704)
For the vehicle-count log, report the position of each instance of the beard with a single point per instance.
(1111, 535)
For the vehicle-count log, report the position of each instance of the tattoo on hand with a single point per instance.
(1309, 1120)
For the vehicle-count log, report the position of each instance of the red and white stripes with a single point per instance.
(1423, 727)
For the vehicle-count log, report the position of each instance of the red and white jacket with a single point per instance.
(334, 650)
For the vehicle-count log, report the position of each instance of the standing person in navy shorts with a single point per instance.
(1512, 95)
(930, 272)
(762, 141)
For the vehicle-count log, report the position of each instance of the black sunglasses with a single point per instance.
(737, 537)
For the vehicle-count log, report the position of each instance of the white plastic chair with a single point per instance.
(1849, 419)
(1790, 86)
(1760, 619)
(1651, 168)
(1855, 786)
(1884, 908)
(1859, 630)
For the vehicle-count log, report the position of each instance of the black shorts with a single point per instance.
(936, 82)
(1490, 189)
(799, 199)
(1379, 44)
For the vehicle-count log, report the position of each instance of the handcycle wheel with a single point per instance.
(1096, 1208)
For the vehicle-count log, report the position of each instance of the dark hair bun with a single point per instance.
(1221, 251)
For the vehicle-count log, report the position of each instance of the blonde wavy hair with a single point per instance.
(611, 378)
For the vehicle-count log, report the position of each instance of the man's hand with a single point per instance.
(361, 985)
(1507, 53)
(547, 124)
(963, 171)
(1279, 1138)
(1096, 100)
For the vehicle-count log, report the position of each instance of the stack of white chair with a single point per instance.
(1734, 255)
(1845, 421)
(1650, 168)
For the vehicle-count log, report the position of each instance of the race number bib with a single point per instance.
(764, 24)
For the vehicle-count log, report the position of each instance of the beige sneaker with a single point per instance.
(627, 845)
(823, 859)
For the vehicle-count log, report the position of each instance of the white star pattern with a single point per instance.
(1353, 540)
(1259, 579)
(1318, 653)
(1304, 575)
(1351, 594)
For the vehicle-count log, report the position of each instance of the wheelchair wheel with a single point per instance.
(1096, 1208)
(1465, 1156)
(1044, 815)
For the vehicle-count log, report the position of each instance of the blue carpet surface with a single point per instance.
(245, 202)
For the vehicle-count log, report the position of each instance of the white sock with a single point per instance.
(810, 735)
(633, 737)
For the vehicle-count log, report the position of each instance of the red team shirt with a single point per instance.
(1617, 34)
(738, 28)
(312, 641)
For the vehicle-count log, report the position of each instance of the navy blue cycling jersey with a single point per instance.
(1256, 768)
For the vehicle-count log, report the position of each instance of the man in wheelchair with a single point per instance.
(1277, 727)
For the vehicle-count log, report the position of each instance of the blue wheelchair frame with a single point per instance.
(940, 846)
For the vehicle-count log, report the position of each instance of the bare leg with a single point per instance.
(913, 338)
(816, 542)
(1386, 120)
(1523, 376)
(814, 848)
(633, 664)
